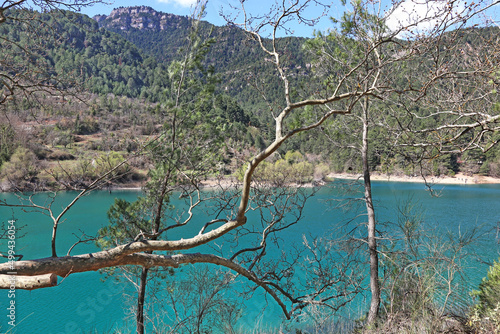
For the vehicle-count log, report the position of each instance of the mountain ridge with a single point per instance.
(125, 18)
(162, 35)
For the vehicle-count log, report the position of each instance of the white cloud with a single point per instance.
(421, 15)
(182, 3)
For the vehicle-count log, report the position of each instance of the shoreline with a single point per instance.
(459, 178)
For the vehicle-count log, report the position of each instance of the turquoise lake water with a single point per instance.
(83, 302)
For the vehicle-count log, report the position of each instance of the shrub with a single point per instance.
(21, 169)
(485, 316)
(423, 280)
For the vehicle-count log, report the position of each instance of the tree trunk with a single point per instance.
(140, 301)
(372, 241)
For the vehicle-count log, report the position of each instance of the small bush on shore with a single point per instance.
(485, 316)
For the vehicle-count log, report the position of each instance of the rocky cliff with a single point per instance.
(141, 17)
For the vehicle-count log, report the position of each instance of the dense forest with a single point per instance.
(121, 64)
(117, 68)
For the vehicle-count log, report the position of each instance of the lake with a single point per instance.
(83, 303)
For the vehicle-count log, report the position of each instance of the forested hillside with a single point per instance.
(235, 58)
(101, 61)
(116, 69)
(109, 96)
(233, 54)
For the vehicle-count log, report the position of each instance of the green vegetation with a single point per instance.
(21, 169)
(126, 73)
(485, 316)
(232, 54)
(292, 168)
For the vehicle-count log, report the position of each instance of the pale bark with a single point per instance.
(27, 282)
(64, 266)
(370, 211)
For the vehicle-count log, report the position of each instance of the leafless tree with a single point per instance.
(411, 72)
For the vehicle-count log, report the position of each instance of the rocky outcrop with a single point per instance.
(140, 17)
